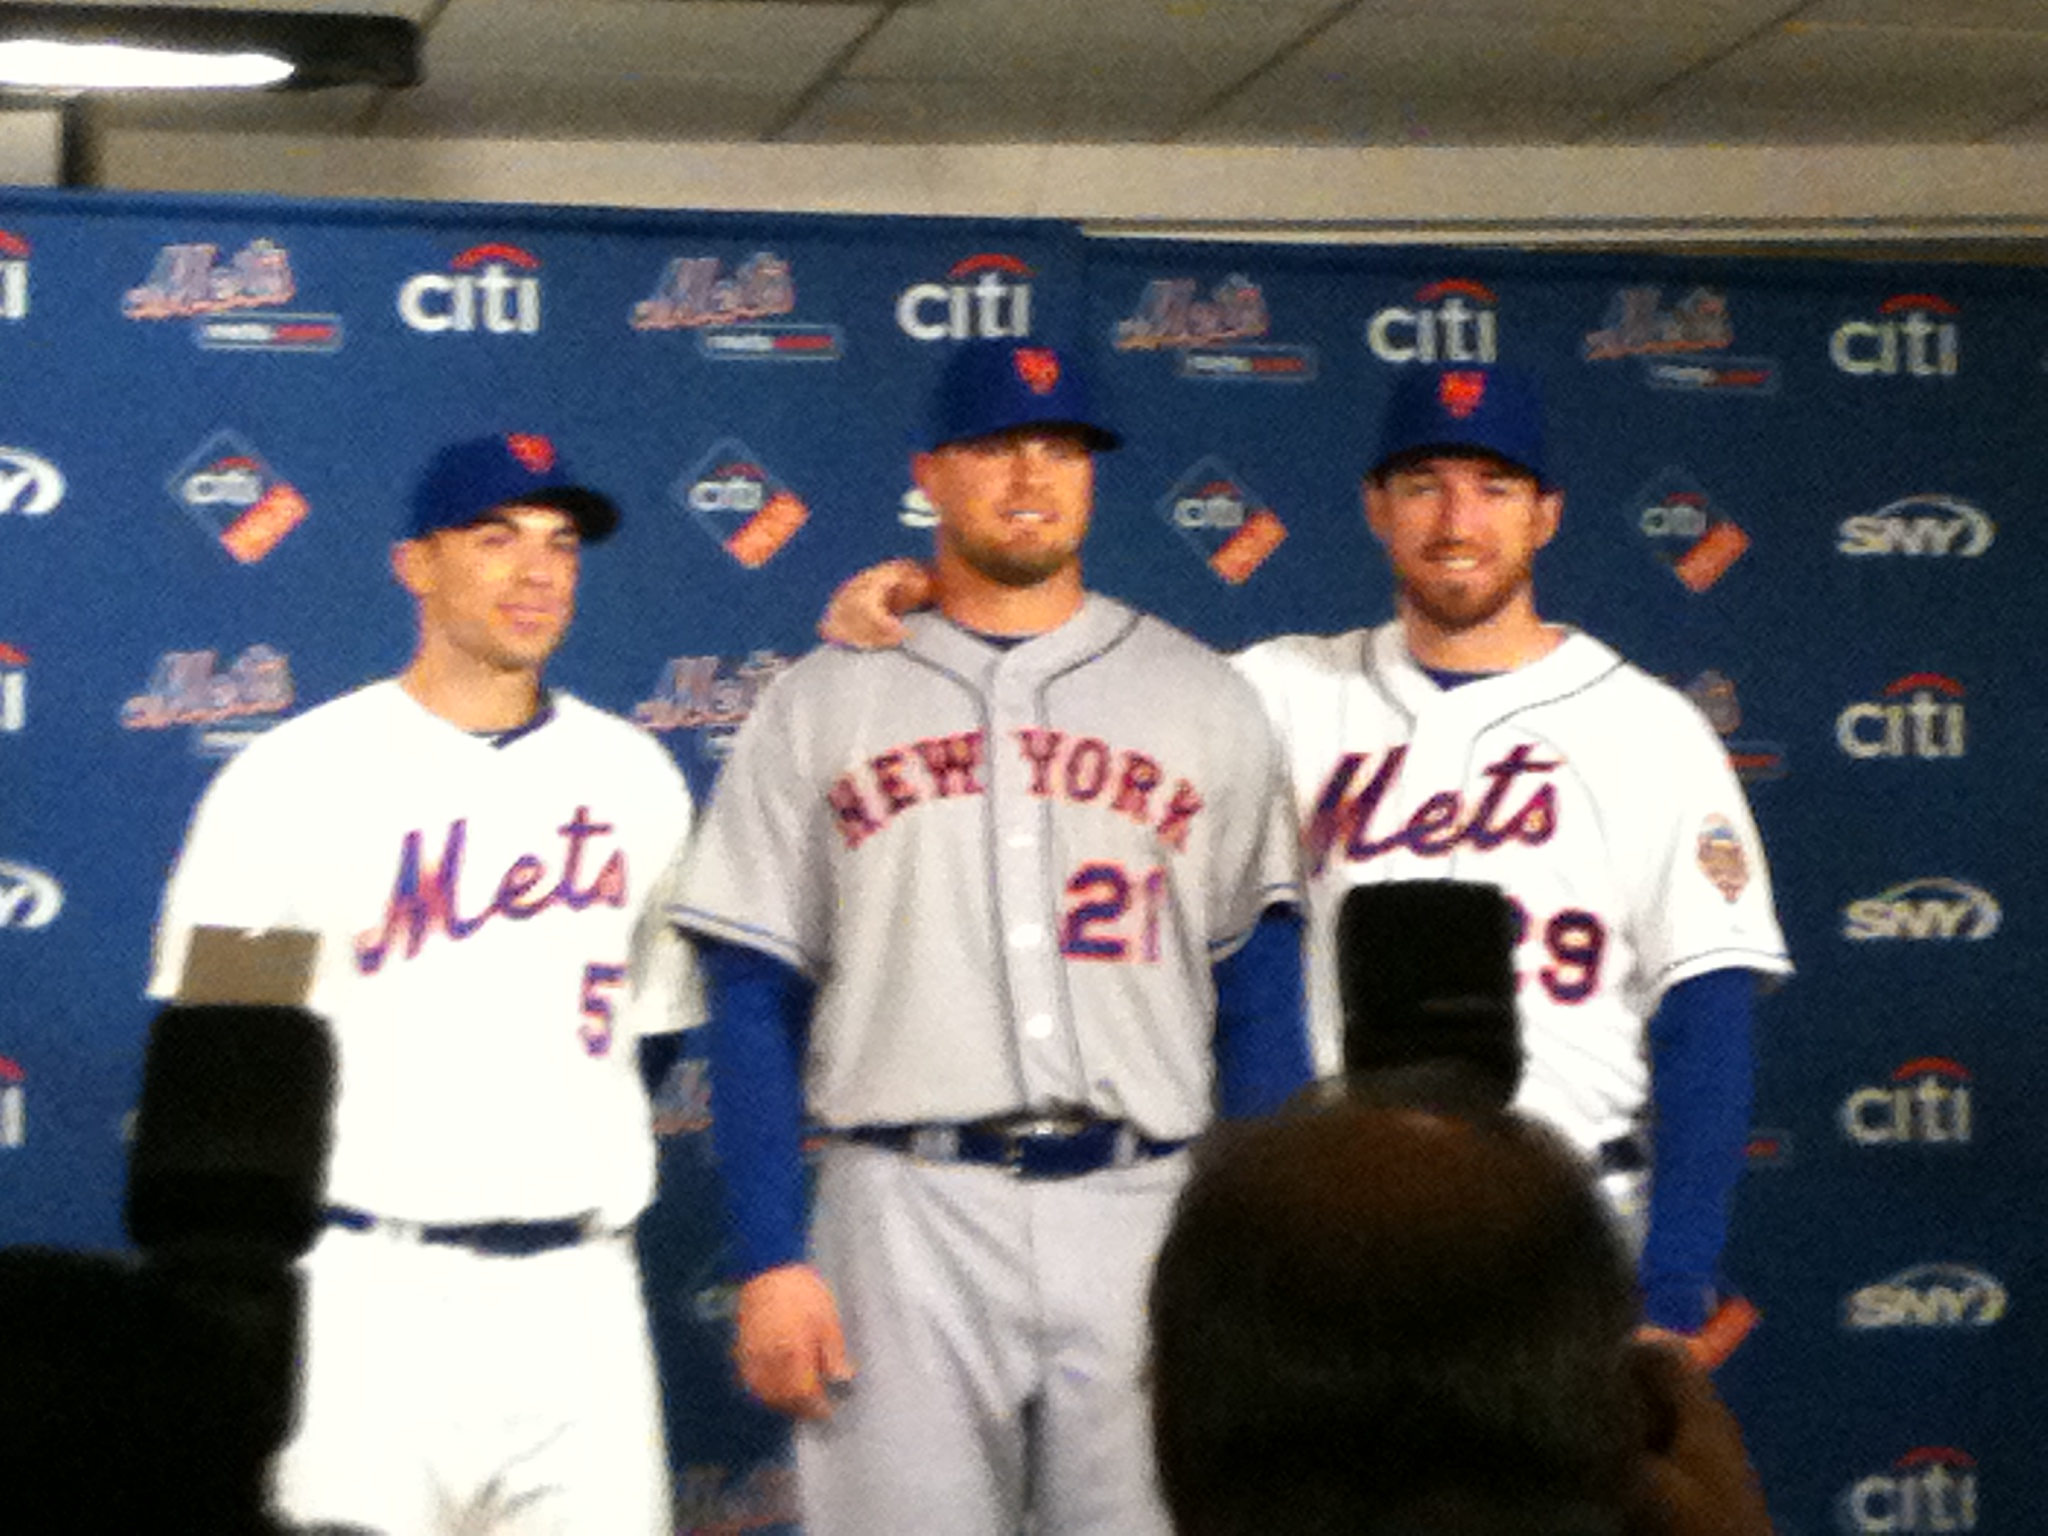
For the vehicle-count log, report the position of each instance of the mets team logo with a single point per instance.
(1038, 369)
(1460, 392)
(536, 455)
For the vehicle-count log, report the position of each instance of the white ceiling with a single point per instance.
(1353, 73)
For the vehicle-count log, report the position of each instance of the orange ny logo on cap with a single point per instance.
(1039, 368)
(1460, 391)
(533, 451)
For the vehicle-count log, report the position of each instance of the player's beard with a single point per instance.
(1456, 607)
(1019, 565)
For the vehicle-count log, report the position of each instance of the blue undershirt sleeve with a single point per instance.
(1701, 1071)
(758, 1032)
(1262, 1056)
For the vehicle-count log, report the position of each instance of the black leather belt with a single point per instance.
(1052, 1146)
(1624, 1154)
(496, 1239)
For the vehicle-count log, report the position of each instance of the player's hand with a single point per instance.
(1695, 1478)
(864, 612)
(790, 1350)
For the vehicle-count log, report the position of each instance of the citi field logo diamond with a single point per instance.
(1226, 522)
(746, 509)
(237, 497)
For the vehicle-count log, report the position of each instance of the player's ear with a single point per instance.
(412, 564)
(1374, 496)
(1549, 513)
(921, 470)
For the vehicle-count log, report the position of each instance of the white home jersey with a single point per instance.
(491, 943)
(1597, 797)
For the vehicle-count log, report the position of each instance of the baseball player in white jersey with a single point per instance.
(1468, 739)
(478, 855)
(1008, 914)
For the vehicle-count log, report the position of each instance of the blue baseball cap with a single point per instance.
(466, 481)
(989, 387)
(1496, 411)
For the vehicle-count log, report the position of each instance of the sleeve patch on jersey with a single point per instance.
(1722, 859)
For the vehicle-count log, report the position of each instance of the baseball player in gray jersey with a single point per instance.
(478, 857)
(1008, 914)
(1468, 739)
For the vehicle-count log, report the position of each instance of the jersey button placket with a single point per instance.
(1029, 890)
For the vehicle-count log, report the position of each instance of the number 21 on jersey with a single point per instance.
(1112, 914)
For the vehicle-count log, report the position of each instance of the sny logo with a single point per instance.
(1918, 336)
(1927, 1296)
(1927, 524)
(29, 483)
(1933, 1488)
(1927, 1101)
(29, 899)
(492, 287)
(1922, 717)
(986, 296)
(13, 689)
(1452, 321)
(13, 276)
(1931, 907)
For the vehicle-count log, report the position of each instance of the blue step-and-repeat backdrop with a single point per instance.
(1808, 493)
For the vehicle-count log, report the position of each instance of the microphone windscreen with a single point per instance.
(1425, 972)
(232, 1132)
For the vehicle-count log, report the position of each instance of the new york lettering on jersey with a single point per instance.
(1081, 770)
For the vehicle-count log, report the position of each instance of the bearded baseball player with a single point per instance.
(1008, 915)
(1468, 739)
(477, 854)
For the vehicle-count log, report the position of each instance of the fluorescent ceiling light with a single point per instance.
(74, 48)
(52, 66)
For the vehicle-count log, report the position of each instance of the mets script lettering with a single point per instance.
(426, 898)
(1348, 820)
(1082, 769)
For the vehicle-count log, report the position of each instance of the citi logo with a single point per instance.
(1921, 715)
(1918, 336)
(13, 276)
(1930, 524)
(29, 483)
(985, 296)
(1930, 1489)
(1450, 322)
(13, 1104)
(28, 898)
(1933, 907)
(1927, 1296)
(1217, 504)
(13, 688)
(1927, 1101)
(492, 288)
